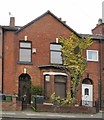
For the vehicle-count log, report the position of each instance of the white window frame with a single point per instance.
(92, 58)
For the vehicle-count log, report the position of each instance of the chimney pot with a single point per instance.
(64, 21)
(99, 21)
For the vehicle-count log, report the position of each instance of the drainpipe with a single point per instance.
(100, 80)
(2, 60)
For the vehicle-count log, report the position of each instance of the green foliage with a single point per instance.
(36, 90)
(58, 101)
(68, 101)
(72, 50)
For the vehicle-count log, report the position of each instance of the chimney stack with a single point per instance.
(12, 22)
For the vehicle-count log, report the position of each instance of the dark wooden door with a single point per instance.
(25, 88)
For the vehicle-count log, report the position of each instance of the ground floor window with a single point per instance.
(59, 85)
(47, 86)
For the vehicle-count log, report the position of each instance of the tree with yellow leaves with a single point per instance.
(73, 60)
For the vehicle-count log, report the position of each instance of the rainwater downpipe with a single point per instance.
(100, 80)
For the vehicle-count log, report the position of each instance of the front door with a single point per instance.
(24, 88)
(87, 95)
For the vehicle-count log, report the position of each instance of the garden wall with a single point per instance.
(65, 109)
(12, 105)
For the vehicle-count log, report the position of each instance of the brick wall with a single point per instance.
(99, 29)
(102, 69)
(94, 70)
(9, 63)
(12, 105)
(66, 109)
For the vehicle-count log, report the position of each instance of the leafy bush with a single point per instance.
(58, 101)
(36, 90)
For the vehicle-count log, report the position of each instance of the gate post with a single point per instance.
(97, 106)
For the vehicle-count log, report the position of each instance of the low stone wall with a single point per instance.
(65, 109)
(11, 105)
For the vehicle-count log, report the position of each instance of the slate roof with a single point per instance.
(93, 36)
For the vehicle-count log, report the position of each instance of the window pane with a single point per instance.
(55, 47)
(25, 45)
(25, 55)
(89, 55)
(86, 91)
(56, 57)
(92, 55)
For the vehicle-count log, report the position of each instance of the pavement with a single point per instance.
(32, 114)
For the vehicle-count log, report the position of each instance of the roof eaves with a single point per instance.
(8, 28)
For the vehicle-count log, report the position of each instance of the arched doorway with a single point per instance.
(24, 88)
(87, 92)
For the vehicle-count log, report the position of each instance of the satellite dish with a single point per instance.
(76, 50)
(10, 14)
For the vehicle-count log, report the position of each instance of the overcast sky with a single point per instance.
(80, 15)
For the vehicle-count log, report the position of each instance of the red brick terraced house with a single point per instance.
(32, 52)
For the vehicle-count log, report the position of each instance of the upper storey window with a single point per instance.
(55, 54)
(25, 51)
(92, 55)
